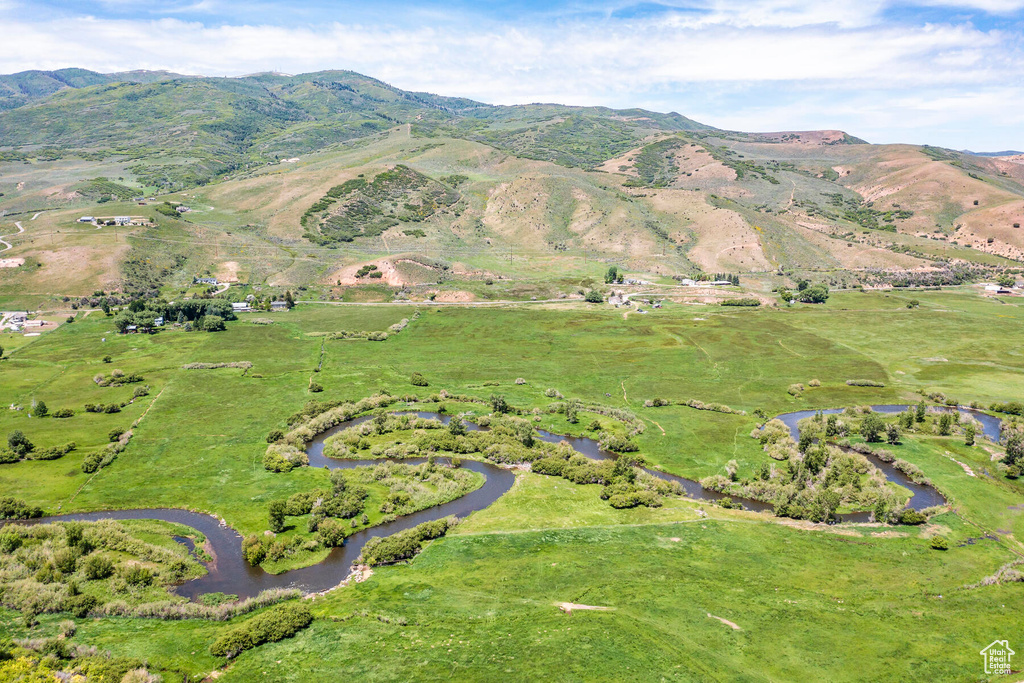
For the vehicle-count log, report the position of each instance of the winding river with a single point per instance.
(230, 573)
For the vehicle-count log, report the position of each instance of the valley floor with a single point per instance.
(693, 591)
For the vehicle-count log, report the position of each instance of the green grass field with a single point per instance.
(847, 603)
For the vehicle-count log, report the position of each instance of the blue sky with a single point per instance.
(944, 73)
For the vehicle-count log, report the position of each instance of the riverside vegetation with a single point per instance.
(686, 407)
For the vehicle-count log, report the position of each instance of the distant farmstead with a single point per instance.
(205, 281)
(279, 305)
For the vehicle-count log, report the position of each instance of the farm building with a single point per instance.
(86, 219)
(205, 281)
(279, 305)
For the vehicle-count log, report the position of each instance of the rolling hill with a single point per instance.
(303, 180)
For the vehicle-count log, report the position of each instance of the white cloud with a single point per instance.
(816, 53)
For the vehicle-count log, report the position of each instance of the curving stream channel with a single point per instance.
(230, 573)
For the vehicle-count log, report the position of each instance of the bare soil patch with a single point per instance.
(568, 607)
(734, 626)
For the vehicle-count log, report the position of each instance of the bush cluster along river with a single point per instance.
(229, 572)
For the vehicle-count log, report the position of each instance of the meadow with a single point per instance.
(810, 601)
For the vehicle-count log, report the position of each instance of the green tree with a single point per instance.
(288, 299)
(871, 428)
(946, 421)
(19, 443)
(572, 408)
(213, 323)
(969, 433)
(1, 352)
(122, 320)
(594, 297)
(815, 294)
(892, 434)
(1014, 449)
(919, 411)
(456, 426)
(498, 404)
(612, 275)
(41, 409)
(338, 482)
(275, 512)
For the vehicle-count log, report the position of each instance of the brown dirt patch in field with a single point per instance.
(734, 626)
(459, 296)
(228, 272)
(569, 607)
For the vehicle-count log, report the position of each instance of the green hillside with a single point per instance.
(303, 180)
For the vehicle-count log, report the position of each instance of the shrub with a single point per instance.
(939, 543)
(137, 575)
(814, 383)
(315, 388)
(253, 550)
(619, 444)
(97, 567)
(633, 499)
(418, 380)
(594, 297)
(864, 383)
(404, 544)
(14, 508)
(520, 380)
(910, 516)
(741, 302)
(54, 452)
(332, 532)
(9, 542)
(63, 412)
(269, 627)
(80, 605)
(377, 336)
(274, 435)
(66, 560)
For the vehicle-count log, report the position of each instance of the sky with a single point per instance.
(947, 73)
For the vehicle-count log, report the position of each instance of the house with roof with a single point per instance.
(279, 305)
(240, 307)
